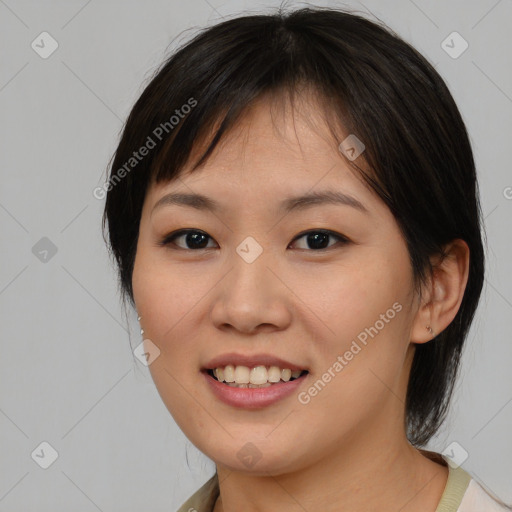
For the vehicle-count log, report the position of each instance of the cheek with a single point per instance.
(163, 294)
(356, 296)
(362, 323)
(165, 301)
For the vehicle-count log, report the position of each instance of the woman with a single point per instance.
(293, 208)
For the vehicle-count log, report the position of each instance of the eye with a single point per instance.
(317, 239)
(195, 238)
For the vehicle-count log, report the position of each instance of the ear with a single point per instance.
(443, 294)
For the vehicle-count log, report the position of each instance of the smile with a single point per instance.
(247, 394)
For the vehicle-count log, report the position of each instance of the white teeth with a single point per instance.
(258, 376)
(242, 375)
(229, 373)
(286, 374)
(274, 374)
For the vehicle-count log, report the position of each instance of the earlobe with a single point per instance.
(444, 292)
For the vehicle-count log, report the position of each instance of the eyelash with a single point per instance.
(168, 240)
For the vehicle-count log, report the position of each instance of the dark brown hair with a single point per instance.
(378, 87)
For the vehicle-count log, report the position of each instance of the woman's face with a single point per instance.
(250, 282)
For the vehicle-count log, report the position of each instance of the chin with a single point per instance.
(251, 458)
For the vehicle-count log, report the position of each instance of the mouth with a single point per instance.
(256, 387)
(252, 381)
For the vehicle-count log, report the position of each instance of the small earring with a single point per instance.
(430, 330)
(142, 330)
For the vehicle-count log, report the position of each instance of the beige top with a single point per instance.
(461, 494)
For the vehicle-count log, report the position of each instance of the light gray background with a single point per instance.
(68, 376)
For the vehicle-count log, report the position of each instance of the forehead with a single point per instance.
(275, 158)
(273, 146)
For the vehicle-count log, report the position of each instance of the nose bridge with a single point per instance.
(251, 276)
(251, 282)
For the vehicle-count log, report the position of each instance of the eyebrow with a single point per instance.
(201, 202)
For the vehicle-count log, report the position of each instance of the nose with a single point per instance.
(252, 297)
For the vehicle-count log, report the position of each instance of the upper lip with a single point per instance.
(250, 361)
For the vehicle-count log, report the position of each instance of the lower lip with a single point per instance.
(252, 398)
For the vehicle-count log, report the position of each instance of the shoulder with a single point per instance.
(477, 499)
(462, 492)
(203, 500)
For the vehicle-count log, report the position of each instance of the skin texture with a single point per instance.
(347, 445)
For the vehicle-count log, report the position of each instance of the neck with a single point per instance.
(377, 475)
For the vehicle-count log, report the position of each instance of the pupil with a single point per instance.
(315, 237)
(192, 239)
